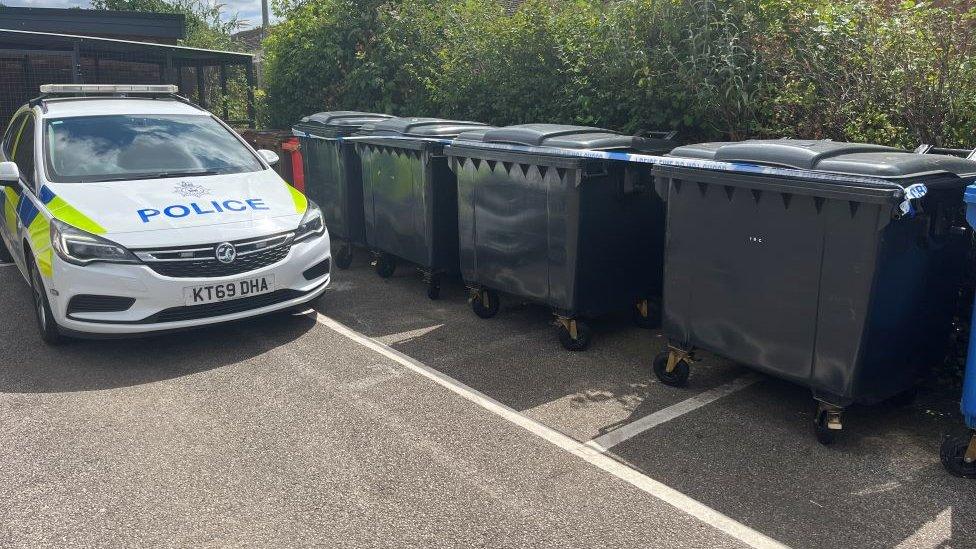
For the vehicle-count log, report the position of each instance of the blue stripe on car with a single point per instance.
(26, 210)
(46, 195)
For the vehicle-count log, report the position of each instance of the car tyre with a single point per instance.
(5, 255)
(46, 325)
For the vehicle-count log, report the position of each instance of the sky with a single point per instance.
(249, 10)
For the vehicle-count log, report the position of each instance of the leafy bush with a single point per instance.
(207, 25)
(864, 70)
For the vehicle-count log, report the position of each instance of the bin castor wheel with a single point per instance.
(434, 288)
(485, 303)
(677, 374)
(959, 455)
(343, 257)
(827, 424)
(647, 314)
(578, 341)
(384, 264)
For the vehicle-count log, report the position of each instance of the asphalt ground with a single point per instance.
(291, 431)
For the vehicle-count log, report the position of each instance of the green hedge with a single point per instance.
(861, 70)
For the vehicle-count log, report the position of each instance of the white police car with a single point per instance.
(130, 210)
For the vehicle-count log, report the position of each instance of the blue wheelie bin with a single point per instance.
(959, 452)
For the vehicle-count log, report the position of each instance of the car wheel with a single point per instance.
(5, 256)
(46, 325)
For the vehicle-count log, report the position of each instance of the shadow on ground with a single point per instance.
(29, 366)
(752, 455)
(516, 357)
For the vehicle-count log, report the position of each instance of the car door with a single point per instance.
(10, 196)
(23, 155)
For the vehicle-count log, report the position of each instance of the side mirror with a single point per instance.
(270, 157)
(9, 174)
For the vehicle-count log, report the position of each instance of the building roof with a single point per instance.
(249, 39)
(158, 27)
(24, 40)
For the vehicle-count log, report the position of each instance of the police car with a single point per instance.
(130, 210)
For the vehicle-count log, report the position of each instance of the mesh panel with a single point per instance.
(23, 71)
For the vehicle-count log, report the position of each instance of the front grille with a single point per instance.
(86, 303)
(201, 261)
(211, 268)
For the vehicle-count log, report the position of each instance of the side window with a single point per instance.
(11, 136)
(24, 152)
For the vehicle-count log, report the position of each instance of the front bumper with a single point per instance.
(159, 300)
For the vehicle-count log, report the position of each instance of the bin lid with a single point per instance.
(420, 127)
(830, 156)
(347, 120)
(565, 137)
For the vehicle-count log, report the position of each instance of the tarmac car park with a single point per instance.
(130, 210)
(375, 417)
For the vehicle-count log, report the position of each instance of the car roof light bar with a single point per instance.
(152, 89)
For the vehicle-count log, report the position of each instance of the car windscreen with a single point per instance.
(122, 147)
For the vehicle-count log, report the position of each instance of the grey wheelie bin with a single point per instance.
(333, 175)
(583, 236)
(410, 195)
(839, 275)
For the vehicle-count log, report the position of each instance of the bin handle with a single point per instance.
(588, 170)
(925, 148)
(937, 219)
(667, 135)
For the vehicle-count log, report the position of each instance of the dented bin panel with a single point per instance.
(333, 174)
(410, 194)
(825, 284)
(582, 236)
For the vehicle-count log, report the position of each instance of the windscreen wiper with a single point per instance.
(158, 175)
(185, 173)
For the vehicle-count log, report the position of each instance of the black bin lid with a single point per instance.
(340, 120)
(565, 137)
(421, 127)
(830, 156)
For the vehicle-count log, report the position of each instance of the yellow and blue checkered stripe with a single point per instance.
(39, 225)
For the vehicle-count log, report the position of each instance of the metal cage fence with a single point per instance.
(219, 81)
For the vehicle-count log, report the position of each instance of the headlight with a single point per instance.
(81, 248)
(313, 224)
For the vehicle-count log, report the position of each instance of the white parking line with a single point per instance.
(403, 337)
(635, 478)
(932, 535)
(604, 442)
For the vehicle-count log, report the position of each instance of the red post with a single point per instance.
(298, 172)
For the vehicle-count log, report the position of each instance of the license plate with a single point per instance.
(226, 291)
